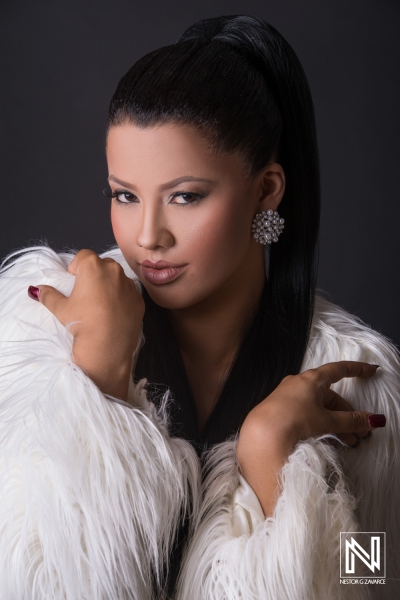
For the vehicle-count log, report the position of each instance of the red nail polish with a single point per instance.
(376, 420)
(33, 292)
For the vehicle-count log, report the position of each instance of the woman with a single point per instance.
(198, 343)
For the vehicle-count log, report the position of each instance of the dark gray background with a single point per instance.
(62, 61)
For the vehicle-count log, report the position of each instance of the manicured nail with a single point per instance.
(377, 366)
(33, 292)
(376, 420)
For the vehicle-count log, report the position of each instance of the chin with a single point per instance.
(172, 299)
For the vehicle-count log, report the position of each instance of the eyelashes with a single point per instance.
(129, 197)
(117, 193)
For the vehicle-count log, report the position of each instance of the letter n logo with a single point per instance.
(362, 554)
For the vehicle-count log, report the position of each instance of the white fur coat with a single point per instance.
(92, 489)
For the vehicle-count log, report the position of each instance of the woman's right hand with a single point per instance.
(302, 406)
(107, 312)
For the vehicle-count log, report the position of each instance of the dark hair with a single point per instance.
(238, 81)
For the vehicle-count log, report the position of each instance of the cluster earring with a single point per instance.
(267, 226)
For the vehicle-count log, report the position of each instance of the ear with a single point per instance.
(272, 183)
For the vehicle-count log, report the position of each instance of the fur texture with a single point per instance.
(91, 488)
(372, 471)
(294, 555)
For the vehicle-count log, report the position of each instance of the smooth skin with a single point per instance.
(205, 224)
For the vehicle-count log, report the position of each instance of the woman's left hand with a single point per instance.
(302, 406)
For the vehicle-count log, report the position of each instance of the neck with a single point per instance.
(210, 332)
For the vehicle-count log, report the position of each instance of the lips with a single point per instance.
(161, 271)
(160, 264)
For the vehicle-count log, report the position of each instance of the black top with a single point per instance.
(161, 362)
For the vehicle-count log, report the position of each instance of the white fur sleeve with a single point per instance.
(373, 469)
(295, 555)
(91, 490)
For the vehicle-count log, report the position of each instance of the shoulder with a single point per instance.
(339, 335)
(38, 265)
(336, 334)
(47, 262)
(20, 269)
(43, 265)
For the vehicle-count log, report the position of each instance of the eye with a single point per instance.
(191, 197)
(125, 197)
(121, 196)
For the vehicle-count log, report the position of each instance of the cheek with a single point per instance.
(222, 236)
(218, 244)
(124, 234)
(121, 226)
(115, 225)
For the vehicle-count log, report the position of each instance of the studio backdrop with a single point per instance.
(62, 61)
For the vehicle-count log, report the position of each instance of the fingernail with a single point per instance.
(377, 366)
(376, 420)
(33, 292)
(367, 435)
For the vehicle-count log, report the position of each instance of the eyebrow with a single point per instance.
(164, 186)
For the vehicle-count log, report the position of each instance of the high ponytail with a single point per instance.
(240, 83)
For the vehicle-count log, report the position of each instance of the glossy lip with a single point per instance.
(161, 271)
(160, 264)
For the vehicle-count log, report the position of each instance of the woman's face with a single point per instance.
(177, 202)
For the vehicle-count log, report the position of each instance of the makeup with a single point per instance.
(160, 271)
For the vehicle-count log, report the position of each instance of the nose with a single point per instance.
(153, 231)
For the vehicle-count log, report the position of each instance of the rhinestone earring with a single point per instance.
(267, 226)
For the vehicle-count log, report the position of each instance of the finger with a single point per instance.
(356, 444)
(80, 256)
(336, 402)
(350, 439)
(109, 260)
(333, 401)
(355, 421)
(51, 298)
(330, 373)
